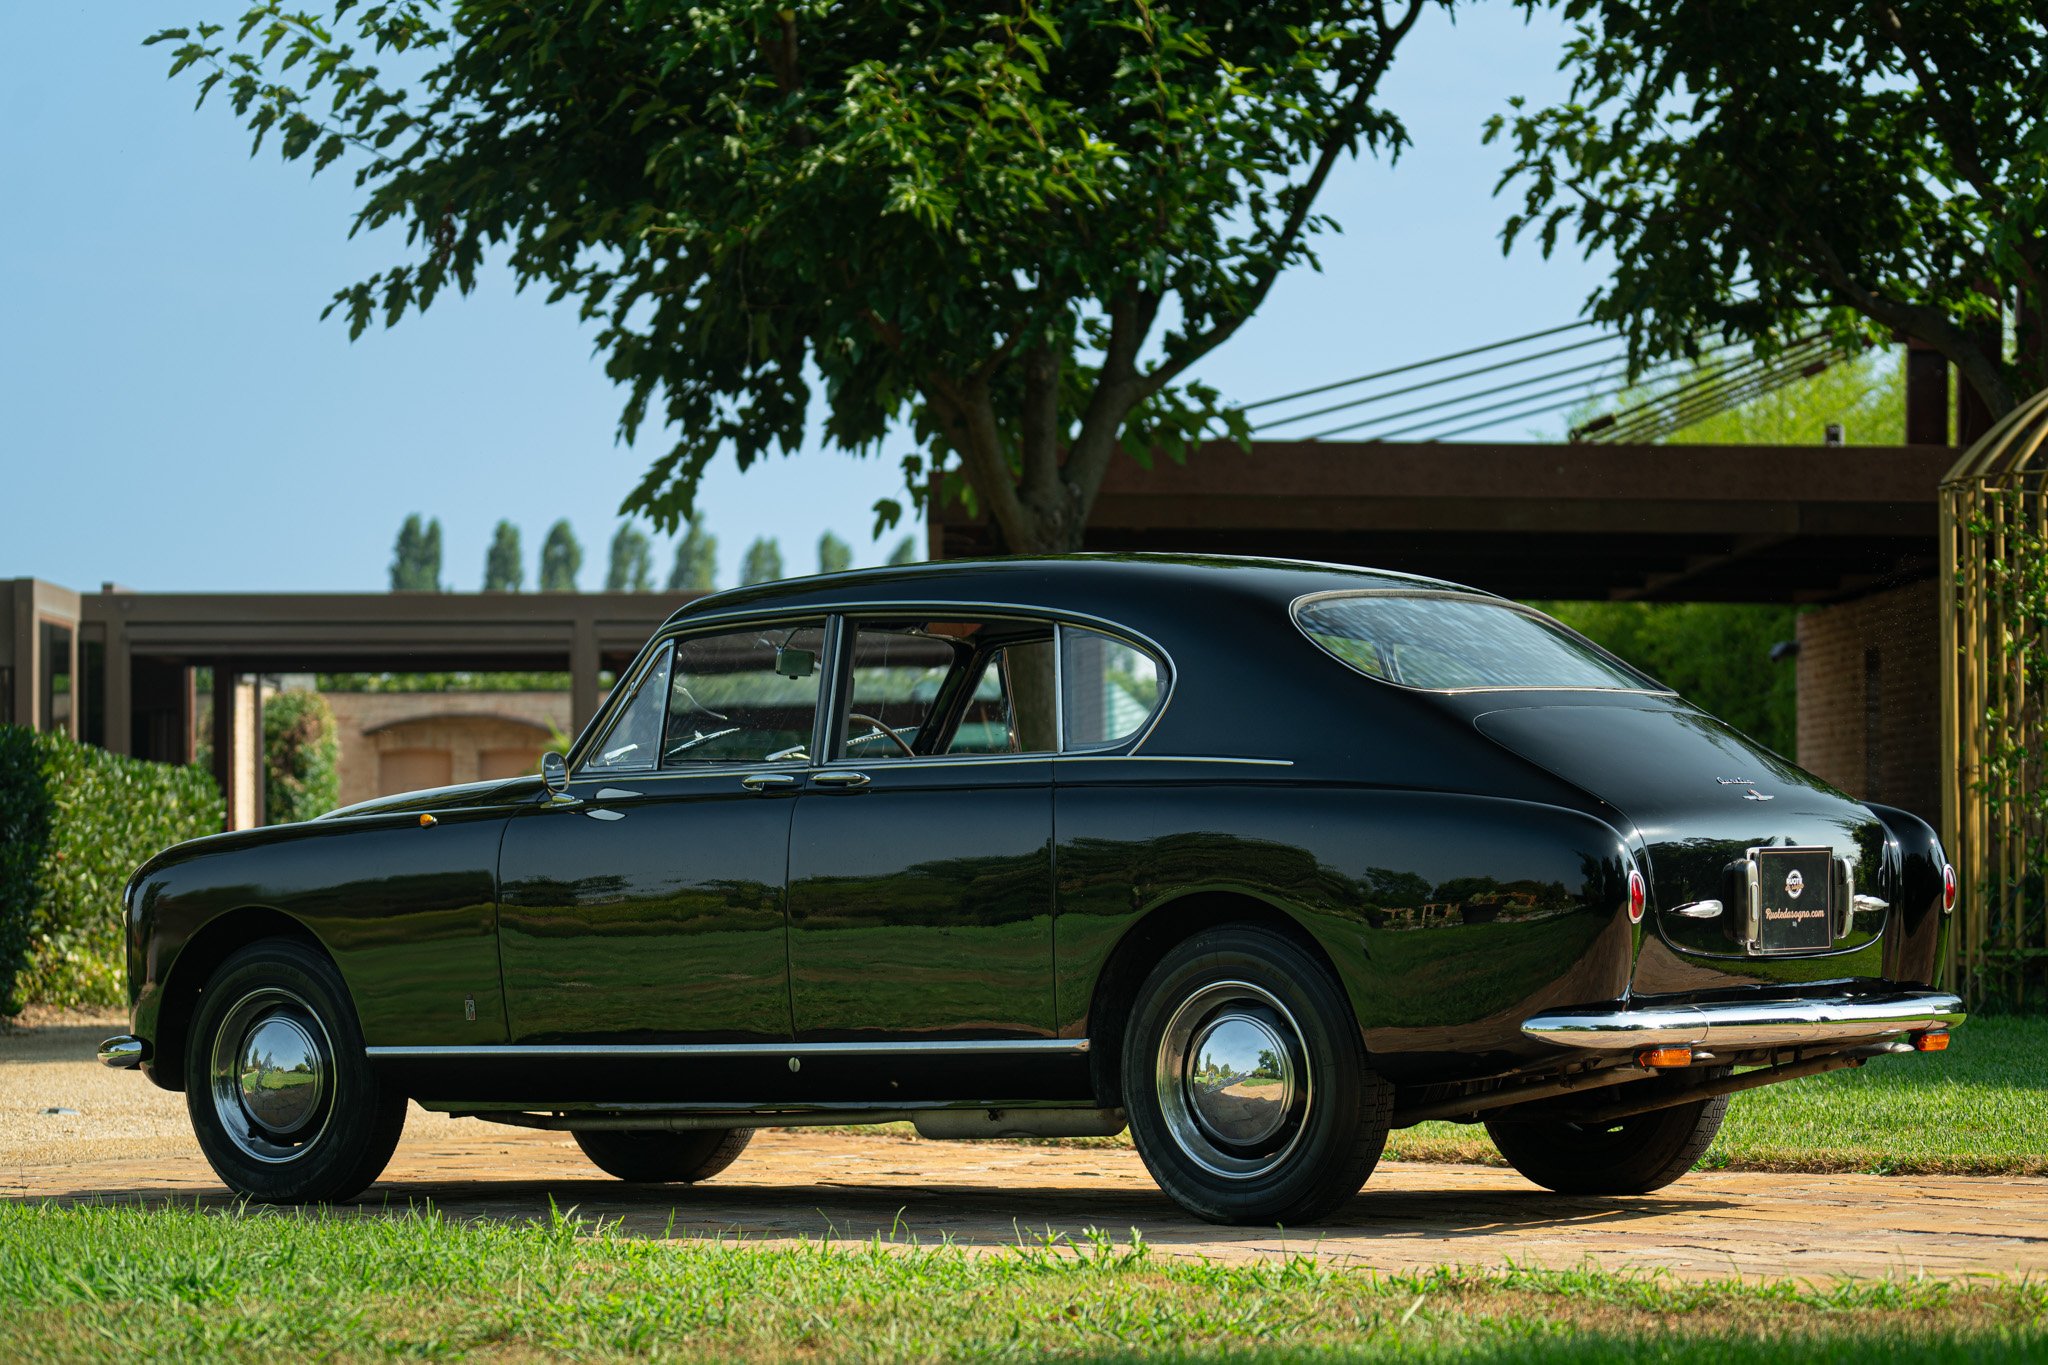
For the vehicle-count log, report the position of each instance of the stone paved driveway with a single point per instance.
(128, 1141)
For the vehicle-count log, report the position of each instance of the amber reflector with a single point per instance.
(1931, 1041)
(426, 820)
(1664, 1056)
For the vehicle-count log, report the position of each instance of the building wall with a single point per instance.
(399, 741)
(1870, 697)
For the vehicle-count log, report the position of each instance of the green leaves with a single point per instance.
(1750, 166)
(879, 211)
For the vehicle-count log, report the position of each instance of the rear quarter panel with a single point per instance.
(1449, 918)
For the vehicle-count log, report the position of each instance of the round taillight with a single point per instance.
(1638, 896)
(1948, 887)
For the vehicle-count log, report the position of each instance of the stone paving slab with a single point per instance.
(129, 1142)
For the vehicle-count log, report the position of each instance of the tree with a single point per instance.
(632, 568)
(504, 569)
(561, 559)
(904, 553)
(967, 220)
(763, 562)
(416, 557)
(696, 567)
(834, 554)
(300, 758)
(1871, 167)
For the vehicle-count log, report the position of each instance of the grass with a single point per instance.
(96, 1282)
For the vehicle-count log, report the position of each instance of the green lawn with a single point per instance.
(1979, 1108)
(122, 1283)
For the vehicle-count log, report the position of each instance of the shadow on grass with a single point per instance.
(967, 1216)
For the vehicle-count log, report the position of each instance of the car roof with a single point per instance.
(1078, 582)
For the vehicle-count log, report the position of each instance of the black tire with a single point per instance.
(1634, 1155)
(647, 1157)
(1221, 1148)
(263, 1002)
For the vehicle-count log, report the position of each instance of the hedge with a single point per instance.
(75, 823)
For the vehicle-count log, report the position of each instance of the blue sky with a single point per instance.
(175, 416)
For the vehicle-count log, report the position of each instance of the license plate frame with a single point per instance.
(1791, 891)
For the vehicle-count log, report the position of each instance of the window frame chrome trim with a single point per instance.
(1307, 599)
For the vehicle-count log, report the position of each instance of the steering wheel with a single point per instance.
(883, 728)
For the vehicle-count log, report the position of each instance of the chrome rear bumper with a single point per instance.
(123, 1051)
(1744, 1024)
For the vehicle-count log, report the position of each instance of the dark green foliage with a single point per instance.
(834, 554)
(75, 823)
(696, 566)
(763, 562)
(1750, 166)
(1010, 230)
(561, 559)
(503, 569)
(300, 754)
(905, 551)
(416, 558)
(632, 566)
(1716, 655)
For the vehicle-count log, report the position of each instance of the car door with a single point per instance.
(920, 896)
(646, 904)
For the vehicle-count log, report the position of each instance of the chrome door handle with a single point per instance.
(767, 782)
(841, 781)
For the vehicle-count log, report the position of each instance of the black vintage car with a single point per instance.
(1259, 858)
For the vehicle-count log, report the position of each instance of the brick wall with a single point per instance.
(1870, 697)
(452, 736)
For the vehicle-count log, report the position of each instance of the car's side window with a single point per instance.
(633, 744)
(898, 673)
(1108, 688)
(999, 717)
(744, 696)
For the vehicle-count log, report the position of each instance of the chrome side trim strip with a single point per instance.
(1769, 1023)
(539, 1051)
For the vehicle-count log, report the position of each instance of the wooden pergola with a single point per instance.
(1657, 522)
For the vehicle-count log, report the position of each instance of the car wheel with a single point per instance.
(658, 1158)
(1246, 1082)
(1635, 1155)
(282, 1097)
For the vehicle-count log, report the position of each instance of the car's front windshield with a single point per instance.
(1456, 643)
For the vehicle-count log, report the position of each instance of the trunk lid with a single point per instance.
(1702, 796)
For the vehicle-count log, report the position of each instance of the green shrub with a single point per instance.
(299, 755)
(75, 823)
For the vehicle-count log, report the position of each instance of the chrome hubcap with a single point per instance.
(1233, 1080)
(272, 1075)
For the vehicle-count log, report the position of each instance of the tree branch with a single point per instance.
(1194, 348)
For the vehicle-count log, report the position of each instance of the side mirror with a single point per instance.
(795, 663)
(554, 771)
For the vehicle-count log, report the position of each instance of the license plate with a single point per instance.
(1794, 886)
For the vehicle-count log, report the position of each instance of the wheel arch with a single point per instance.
(1147, 942)
(212, 944)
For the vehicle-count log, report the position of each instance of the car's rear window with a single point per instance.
(1456, 643)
